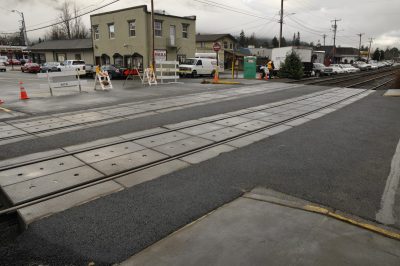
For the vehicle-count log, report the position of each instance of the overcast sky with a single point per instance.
(378, 19)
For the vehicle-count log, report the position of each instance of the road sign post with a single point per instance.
(216, 48)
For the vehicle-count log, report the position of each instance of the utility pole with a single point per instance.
(334, 37)
(281, 22)
(23, 26)
(369, 49)
(359, 46)
(153, 60)
(324, 36)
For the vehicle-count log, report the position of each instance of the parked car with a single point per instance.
(13, 62)
(362, 65)
(374, 65)
(337, 69)
(31, 68)
(349, 68)
(320, 69)
(113, 72)
(3, 67)
(51, 67)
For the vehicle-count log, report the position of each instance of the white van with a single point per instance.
(3, 59)
(198, 67)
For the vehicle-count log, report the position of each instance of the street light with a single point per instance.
(23, 25)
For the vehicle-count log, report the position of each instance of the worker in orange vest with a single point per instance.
(269, 65)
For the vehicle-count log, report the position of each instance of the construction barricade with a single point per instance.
(167, 71)
(63, 79)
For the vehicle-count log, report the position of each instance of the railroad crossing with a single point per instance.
(105, 182)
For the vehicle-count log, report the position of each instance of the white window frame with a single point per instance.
(225, 43)
(185, 30)
(96, 32)
(158, 29)
(111, 34)
(130, 28)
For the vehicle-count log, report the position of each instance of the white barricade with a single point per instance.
(62, 79)
(149, 77)
(102, 78)
(167, 70)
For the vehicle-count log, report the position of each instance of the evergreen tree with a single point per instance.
(376, 54)
(292, 67)
(381, 55)
(275, 42)
(265, 44)
(297, 39)
(283, 42)
(242, 39)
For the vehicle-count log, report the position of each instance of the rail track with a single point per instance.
(8, 210)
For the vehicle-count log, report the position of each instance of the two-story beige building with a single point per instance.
(205, 42)
(123, 37)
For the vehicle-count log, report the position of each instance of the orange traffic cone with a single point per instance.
(23, 95)
(260, 77)
(216, 78)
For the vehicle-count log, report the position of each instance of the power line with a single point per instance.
(234, 10)
(80, 15)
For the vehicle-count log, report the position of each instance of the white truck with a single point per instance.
(73, 65)
(194, 67)
(278, 55)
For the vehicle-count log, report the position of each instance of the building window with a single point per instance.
(132, 28)
(96, 32)
(111, 31)
(225, 45)
(181, 58)
(158, 28)
(61, 57)
(185, 31)
(202, 44)
(230, 45)
(78, 57)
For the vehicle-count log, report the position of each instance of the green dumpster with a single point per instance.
(250, 67)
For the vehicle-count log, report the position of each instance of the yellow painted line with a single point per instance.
(225, 82)
(367, 226)
(5, 110)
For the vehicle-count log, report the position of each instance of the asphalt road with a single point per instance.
(341, 160)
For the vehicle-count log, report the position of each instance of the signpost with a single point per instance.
(216, 48)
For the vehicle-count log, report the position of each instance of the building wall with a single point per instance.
(223, 58)
(51, 56)
(140, 44)
(204, 46)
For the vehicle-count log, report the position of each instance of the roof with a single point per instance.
(340, 51)
(76, 44)
(144, 7)
(212, 37)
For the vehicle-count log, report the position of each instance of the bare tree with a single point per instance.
(71, 25)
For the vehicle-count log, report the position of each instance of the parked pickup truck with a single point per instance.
(74, 65)
(321, 69)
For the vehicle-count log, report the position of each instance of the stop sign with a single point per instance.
(216, 46)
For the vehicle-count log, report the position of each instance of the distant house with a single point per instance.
(204, 44)
(345, 55)
(61, 50)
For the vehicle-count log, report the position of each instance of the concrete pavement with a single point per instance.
(253, 231)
